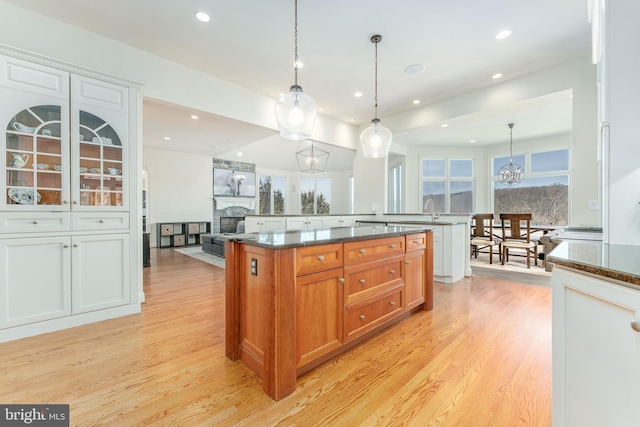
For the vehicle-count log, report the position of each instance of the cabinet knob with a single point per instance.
(362, 251)
(392, 246)
(341, 280)
(75, 245)
(65, 202)
(362, 317)
(407, 262)
(65, 246)
(635, 325)
(392, 271)
(75, 202)
(102, 221)
(392, 303)
(362, 281)
(416, 242)
(35, 222)
(321, 258)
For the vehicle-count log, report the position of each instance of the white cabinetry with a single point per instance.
(67, 218)
(339, 221)
(255, 224)
(614, 25)
(303, 222)
(596, 351)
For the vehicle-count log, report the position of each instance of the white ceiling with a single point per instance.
(250, 43)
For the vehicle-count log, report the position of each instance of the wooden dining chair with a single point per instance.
(516, 234)
(482, 235)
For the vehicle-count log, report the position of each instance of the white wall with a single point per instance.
(180, 187)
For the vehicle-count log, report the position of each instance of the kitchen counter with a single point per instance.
(318, 236)
(619, 262)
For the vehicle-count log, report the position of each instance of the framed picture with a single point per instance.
(232, 183)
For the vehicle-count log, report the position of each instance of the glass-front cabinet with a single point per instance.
(54, 163)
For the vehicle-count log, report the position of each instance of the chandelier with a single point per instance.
(511, 173)
(295, 111)
(376, 139)
(312, 159)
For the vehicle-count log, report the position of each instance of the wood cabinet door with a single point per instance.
(319, 314)
(414, 270)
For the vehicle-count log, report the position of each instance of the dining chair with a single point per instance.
(482, 235)
(516, 234)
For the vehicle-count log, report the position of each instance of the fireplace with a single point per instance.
(229, 224)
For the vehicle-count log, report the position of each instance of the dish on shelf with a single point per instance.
(105, 141)
(23, 128)
(23, 196)
(43, 166)
(95, 170)
(83, 169)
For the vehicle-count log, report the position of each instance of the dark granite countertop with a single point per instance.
(619, 262)
(304, 215)
(318, 236)
(411, 222)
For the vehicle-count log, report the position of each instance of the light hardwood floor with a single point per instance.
(482, 357)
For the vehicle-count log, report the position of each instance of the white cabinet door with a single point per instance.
(315, 222)
(596, 352)
(296, 223)
(100, 272)
(35, 280)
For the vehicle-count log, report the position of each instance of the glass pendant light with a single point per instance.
(295, 111)
(511, 173)
(376, 139)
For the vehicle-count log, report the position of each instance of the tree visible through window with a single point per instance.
(271, 199)
(447, 185)
(315, 196)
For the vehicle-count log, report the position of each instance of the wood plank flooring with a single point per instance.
(482, 357)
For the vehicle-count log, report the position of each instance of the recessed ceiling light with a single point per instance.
(239, 154)
(203, 16)
(503, 34)
(416, 101)
(352, 120)
(496, 76)
(320, 109)
(444, 125)
(166, 138)
(414, 69)
(358, 94)
(472, 141)
(194, 117)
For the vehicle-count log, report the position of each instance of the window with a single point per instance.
(395, 189)
(315, 196)
(448, 185)
(272, 189)
(544, 191)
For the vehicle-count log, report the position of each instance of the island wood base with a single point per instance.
(289, 310)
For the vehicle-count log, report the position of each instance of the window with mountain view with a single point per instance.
(448, 185)
(544, 191)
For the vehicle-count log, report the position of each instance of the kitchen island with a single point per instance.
(295, 299)
(596, 334)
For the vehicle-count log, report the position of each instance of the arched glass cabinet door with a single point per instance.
(36, 158)
(101, 166)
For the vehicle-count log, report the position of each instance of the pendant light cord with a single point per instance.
(295, 41)
(376, 83)
(511, 143)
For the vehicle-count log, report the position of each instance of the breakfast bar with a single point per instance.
(295, 299)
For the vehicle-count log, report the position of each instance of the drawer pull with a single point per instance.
(362, 317)
(321, 258)
(362, 251)
(392, 303)
(362, 281)
(635, 325)
(392, 271)
(35, 222)
(416, 242)
(392, 246)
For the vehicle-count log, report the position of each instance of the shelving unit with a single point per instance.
(175, 234)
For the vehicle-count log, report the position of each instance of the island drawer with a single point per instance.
(311, 259)
(416, 242)
(369, 313)
(364, 280)
(373, 250)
